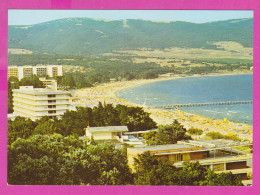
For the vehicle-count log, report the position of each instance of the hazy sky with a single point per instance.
(28, 17)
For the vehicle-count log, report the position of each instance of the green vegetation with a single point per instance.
(58, 160)
(195, 131)
(49, 152)
(74, 122)
(151, 171)
(223, 60)
(84, 36)
(166, 134)
(213, 69)
(96, 69)
(217, 135)
(102, 69)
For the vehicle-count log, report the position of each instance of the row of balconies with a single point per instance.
(40, 108)
(29, 113)
(41, 103)
(41, 97)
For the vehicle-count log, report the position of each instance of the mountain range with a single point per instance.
(85, 36)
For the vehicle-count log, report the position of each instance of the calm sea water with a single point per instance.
(199, 90)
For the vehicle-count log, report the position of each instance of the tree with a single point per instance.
(13, 83)
(68, 80)
(151, 171)
(151, 138)
(191, 174)
(74, 122)
(57, 160)
(37, 160)
(221, 179)
(31, 81)
(135, 118)
(166, 134)
(195, 131)
(105, 115)
(47, 127)
(20, 127)
(170, 134)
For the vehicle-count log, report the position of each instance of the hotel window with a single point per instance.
(52, 106)
(179, 157)
(219, 167)
(52, 112)
(12, 72)
(55, 71)
(51, 101)
(27, 72)
(41, 71)
(51, 96)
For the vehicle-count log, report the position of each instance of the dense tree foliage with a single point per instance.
(74, 122)
(20, 127)
(135, 118)
(39, 156)
(58, 160)
(167, 134)
(31, 81)
(221, 179)
(151, 171)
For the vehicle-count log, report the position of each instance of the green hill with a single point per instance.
(84, 36)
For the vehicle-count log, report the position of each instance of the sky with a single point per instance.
(29, 17)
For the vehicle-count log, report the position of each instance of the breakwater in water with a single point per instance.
(203, 104)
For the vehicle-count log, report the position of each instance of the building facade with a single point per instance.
(39, 70)
(37, 102)
(106, 132)
(49, 83)
(211, 155)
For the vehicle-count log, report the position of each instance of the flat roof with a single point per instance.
(108, 129)
(137, 132)
(38, 65)
(237, 171)
(217, 160)
(41, 91)
(217, 143)
(164, 147)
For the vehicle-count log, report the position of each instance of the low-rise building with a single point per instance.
(49, 83)
(37, 102)
(106, 133)
(218, 155)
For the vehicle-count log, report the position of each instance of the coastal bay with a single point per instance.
(108, 93)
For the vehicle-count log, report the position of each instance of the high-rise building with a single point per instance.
(37, 102)
(39, 70)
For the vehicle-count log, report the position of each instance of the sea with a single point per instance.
(202, 89)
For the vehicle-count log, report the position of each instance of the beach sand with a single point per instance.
(108, 93)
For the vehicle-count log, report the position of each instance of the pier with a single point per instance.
(203, 104)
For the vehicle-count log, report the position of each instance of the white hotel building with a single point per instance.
(39, 70)
(37, 102)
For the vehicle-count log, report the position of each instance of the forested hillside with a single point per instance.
(84, 36)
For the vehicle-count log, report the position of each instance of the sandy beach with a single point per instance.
(108, 93)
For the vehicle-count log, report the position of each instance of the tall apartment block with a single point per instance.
(37, 102)
(39, 70)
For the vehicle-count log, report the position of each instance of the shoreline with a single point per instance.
(108, 93)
